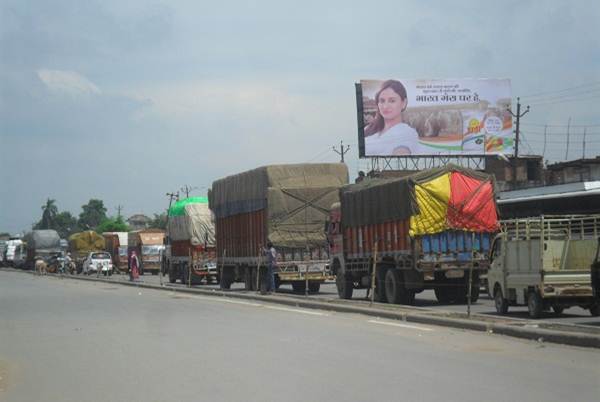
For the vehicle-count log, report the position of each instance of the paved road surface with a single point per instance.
(485, 305)
(65, 340)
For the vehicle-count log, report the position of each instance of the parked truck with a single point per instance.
(82, 244)
(545, 262)
(190, 242)
(399, 236)
(15, 253)
(148, 245)
(41, 244)
(116, 245)
(284, 204)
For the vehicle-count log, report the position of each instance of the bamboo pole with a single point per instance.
(373, 273)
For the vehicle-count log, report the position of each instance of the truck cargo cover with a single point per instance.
(86, 241)
(451, 197)
(191, 219)
(43, 240)
(297, 198)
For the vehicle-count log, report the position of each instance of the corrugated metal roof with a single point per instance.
(548, 192)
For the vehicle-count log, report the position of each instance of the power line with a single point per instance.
(565, 101)
(559, 125)
(588, 85)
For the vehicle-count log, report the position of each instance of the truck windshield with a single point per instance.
(123, 251)
(154, 249)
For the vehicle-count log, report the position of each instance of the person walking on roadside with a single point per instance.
(134, 267)
(271, 255)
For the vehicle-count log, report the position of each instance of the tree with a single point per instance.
(65, 224)
(49, 212)
(159, 221)
(112, 225)
(92, 215)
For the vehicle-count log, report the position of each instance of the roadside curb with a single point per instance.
(415, 316)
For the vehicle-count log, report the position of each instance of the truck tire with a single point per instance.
(393, 287)
(558, 310)
(380, 285)
(500, 302)
(535, 305)
(441, 293)
(345, 285)
(226, 278)
(172, 277)
(299, 287)
(248, 284)
(595, 310)
(314, 287)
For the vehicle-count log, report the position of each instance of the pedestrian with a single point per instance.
(134, 267)
(271, 255)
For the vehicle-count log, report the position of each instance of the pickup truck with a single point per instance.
(544, 262)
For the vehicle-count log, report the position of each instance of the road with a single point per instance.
(427, 299)
(67, 340)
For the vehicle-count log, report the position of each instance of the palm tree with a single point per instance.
(49, 214)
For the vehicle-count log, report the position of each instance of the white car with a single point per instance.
(98, 261)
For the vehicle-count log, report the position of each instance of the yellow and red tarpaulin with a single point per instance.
(454, 200)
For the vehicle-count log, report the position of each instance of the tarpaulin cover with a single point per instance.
(433, 197)
(297, 199)
(191, 219)
(45, 239)
(87, 241)
(150, 236)
(472, 204)
(247, 191)
(437, 199)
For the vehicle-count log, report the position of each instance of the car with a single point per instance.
(98, 261)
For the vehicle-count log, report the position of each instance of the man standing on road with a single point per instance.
(271, 254)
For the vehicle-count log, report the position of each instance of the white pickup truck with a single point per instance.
(544, 262)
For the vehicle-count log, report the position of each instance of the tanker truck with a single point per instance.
(190, 242)
(399, 236)
(41, 244)
(286, 205)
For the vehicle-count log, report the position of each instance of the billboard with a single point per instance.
(434, 117)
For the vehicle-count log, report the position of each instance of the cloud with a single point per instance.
(69, 82)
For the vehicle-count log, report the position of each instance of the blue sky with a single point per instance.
(128, 100)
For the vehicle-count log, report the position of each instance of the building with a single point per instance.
(579, 170)
(138, 222)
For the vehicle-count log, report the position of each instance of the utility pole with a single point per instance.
(172, 196)
(119, 208)
(568, 139)
(518, 117)
(584, 135)
(517, 132)
(342, 150)
(187, 190)
(545, 134)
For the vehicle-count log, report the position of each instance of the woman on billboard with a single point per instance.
(387, 134)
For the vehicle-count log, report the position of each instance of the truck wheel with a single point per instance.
(380, 286)
(558, 310)
(499, 301)
(314, 287)
(226, 278)
(535, 305)
(299, 287)
(441, 294)
(393, 286)
(248, 285)
(172, 277)
(595, 310)
(475, 289)
(344, 285)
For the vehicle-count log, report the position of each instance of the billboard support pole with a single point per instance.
(517, 132)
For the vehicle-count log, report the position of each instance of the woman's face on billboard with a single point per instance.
(390, 104)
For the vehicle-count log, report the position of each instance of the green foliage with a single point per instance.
(49, 212)
(65, 224)
(92, 215)
(112, 225)
(159, 221)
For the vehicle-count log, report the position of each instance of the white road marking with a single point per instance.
(293, 310)
(224, 300)
(396, 324)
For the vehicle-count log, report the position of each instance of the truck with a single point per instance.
(81, 244)
(286, 205)
(43, 243)
(116, 245)
(400, 236)
(148, 245)
(190, 242)
(545, 263)
(15, 253)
